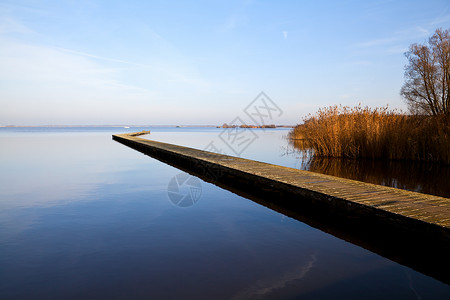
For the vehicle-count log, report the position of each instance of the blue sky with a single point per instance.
(202, 62)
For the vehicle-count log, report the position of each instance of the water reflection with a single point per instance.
(265, 287)
(412, 176)
(83, 217)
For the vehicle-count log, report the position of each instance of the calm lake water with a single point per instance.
(84, 217)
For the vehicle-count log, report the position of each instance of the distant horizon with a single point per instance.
(125, 125)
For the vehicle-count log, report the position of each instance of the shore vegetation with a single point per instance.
(379, 133)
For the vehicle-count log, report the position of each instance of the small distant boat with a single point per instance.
(126, 126)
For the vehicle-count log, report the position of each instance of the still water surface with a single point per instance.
(84, 217)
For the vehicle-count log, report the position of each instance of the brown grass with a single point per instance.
(374, 133)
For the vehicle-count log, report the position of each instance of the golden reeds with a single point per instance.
(358, 132)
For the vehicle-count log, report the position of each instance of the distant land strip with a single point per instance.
(131, 126)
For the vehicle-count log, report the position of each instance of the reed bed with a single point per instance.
(341, 131)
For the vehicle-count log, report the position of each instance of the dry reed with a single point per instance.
(358, 132)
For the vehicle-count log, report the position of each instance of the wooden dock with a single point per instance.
(385, 220)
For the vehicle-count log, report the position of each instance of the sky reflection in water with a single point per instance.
(82, 216)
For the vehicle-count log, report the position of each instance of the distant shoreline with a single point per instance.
(115, 126)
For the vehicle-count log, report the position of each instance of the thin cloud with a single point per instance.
(237, 18)
(398, 37)
(443, 17)
(397, 49)
(52, 72)
(414, 32)
(285, 35)
(422, 30)
(376, 42)
(10, 25)
(102, 57)
(359, 63)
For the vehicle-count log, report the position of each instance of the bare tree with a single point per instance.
(427, 76)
